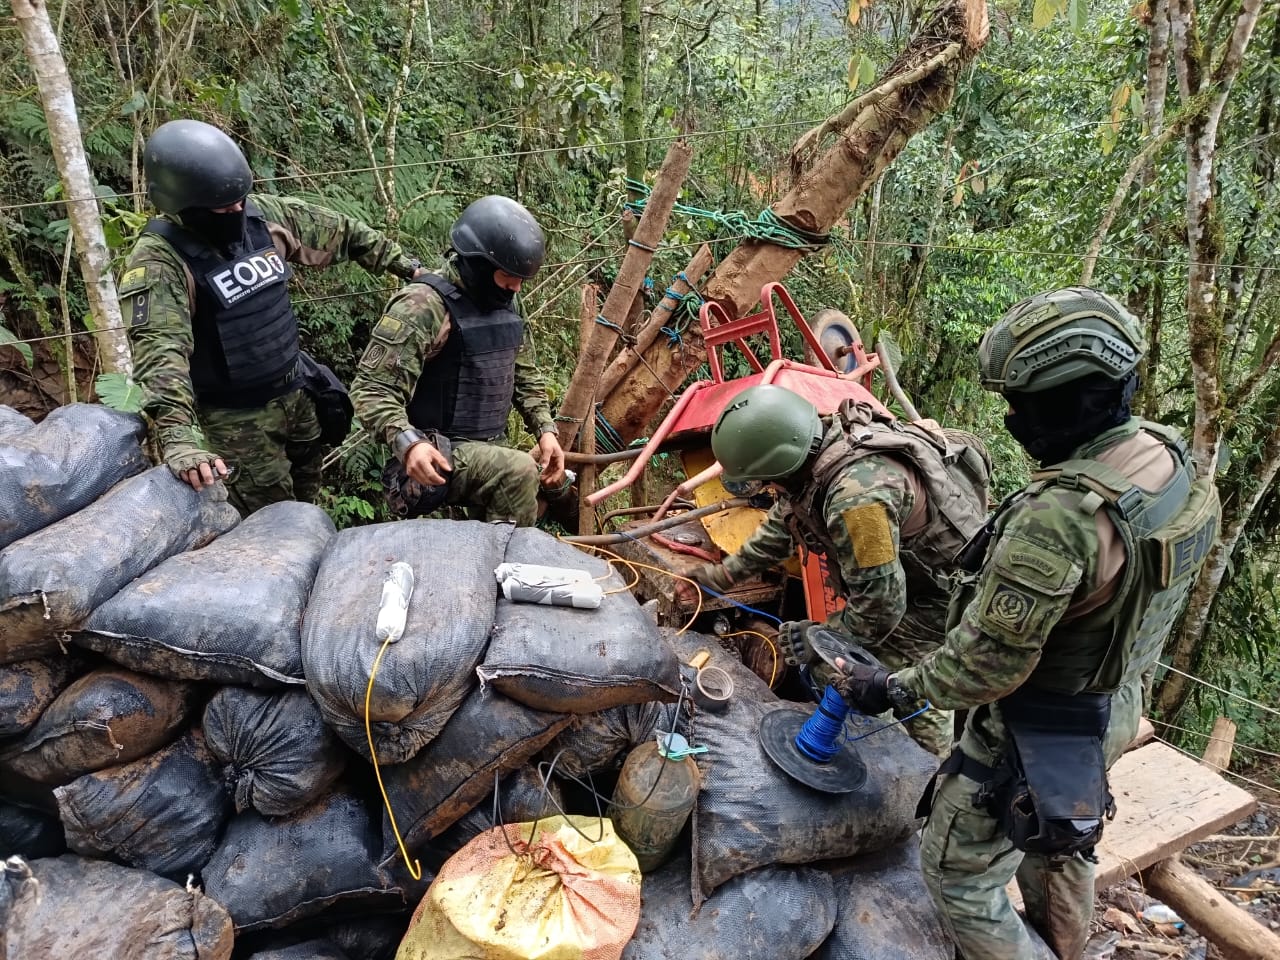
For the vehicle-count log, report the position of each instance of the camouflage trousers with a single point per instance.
(494, 482)
(274, 450)
(968, 862)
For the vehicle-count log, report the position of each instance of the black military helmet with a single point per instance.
(502, 232)
(192, 164)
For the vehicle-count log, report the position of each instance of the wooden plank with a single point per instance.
(1165, 801)
(1146, 733)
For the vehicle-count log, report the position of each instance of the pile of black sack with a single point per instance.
(200, 732)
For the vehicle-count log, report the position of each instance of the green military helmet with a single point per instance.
(765, 433)
(1057, 337)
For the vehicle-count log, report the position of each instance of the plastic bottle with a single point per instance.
(654, 797)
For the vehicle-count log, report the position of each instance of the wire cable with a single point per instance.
(415, 866)
(1214, 686)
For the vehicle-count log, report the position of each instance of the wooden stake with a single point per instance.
(588, 471)
(1217, 755)
(580, 396)
(1233, 931)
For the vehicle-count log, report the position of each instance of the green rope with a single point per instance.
(766, 227)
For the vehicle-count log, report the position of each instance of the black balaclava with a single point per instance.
(1053, 423)
(222, 231)
(477, 278)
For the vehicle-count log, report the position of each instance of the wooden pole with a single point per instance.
(588, 471)
(1217, 755)
(663, 314)
(580, 396)
(915, 88)
(1234, 932)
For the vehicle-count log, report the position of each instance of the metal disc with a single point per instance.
(844, 774)
(837, 335)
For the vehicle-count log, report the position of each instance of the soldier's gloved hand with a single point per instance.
(713, 575)
(793, 642)
(864, 686)
(195, 466)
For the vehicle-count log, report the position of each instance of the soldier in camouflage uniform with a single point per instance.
(215, 341)
(446, 362)
(1076, 582)
(889, 504)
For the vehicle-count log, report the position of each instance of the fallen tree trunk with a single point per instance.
(871, 133)
(1235, 933)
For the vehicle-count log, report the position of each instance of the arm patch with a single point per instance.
(135, 292)
(1024, 590)
(870, 534)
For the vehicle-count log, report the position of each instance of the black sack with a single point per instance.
(576, 661)
(333, 404)
(424, 676)
(68, 906)
(29, 686)
(276, 752)
(163, 813)
(53, 579)
(63, 463)
(107, 717)
(308, 950)
(29, 833)
(13, 424)
(774, 913)
(885, 910)
(750, 814)
(230, 613)
(271, 873)
(598, 741)
(454, 773)
(522, 798)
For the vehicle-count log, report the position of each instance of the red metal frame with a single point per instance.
(698, 407)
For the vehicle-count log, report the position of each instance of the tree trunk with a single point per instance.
(59, 104)
(632, 90)
(581, 393)
(915, 88)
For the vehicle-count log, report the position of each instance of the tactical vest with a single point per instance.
(465, 391)
(245, 334)
(954, 476)
(1167, 534)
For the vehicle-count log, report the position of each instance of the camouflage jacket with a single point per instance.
(157, 292)
(865, 509)
(413, 329)
(1050, 564)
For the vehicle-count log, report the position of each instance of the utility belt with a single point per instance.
(1049, 793)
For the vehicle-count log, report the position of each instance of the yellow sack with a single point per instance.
(558, 896)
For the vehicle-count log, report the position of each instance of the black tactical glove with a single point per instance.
(793, 642)
(864, 687)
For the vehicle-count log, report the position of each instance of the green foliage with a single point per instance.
(119, 392)
(9, 339)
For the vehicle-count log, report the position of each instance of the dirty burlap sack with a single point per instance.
(424, 676)
(54, 578)
(163, 813)
(13, 424)
(270, 873)
(454, 773)
(230, 613)
(598, 741)
(885, 910)
(750, 814)
(774, 913)
(521, 798)
(62, 464)
(29, 686)
(570, 660)
(70, 907)
(564, 888)
(307, 950)
(276, 752)
(107, 717)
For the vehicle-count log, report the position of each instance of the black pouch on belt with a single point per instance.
(1057, 800)
(334, 409)
(408, 498)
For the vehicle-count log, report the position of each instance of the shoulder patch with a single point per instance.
(1010, 607)
(870, 534)
(142, 277)
(391, 330)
